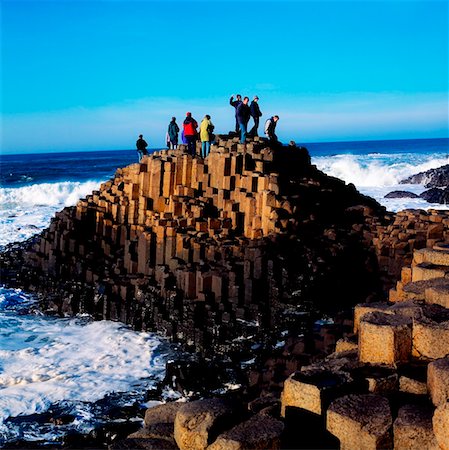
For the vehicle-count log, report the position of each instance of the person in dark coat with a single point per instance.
(255, 114)
(189, 127)
(243, 115)
(270, 127)
(141, 147)
(173, 131)
(235, 104)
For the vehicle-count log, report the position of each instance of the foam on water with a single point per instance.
(377, 174)
(45, 361)
(27, 210)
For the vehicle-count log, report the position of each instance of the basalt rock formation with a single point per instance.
(207, 250)
(433, 178)
(385, 386)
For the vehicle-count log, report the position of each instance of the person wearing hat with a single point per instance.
(189, 127)
(141, 147)
(255, 114)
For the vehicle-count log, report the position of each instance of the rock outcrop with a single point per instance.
(401, 194)
(397, 377)
(205, 250)
(432, 178)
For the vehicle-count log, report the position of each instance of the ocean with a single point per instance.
(71, 365)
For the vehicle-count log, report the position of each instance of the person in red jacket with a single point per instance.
(189, 126)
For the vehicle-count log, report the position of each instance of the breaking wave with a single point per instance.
(378, 169)
(27, 210)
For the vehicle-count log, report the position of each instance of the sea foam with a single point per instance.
(46, 360)
(27, 210)
(377, 174)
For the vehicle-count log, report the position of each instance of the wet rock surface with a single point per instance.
(401, 194)
(438, 177)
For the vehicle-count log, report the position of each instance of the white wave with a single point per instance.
(45, 360)
(27, 210)
(378, 169)
(378, 174)
(65, 193)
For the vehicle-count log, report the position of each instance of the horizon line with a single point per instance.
(154, 149)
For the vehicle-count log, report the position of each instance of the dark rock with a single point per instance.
(401, 194)
(143, 444)
(436, 195)
(432, 178)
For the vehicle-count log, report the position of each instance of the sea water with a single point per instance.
(73, 364)
(377, 167)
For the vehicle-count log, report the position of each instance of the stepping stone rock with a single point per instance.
(385, 338)
(313, 390)
(438, 381)
(364, 308)
(413, 429)
(438, 294)
(164, 413)
(436, 257)
(430, 338)
(360, 422)
(345, 345)
(259, 432)
(198, 423)
(440, 423)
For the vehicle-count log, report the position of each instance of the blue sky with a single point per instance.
(86, 75)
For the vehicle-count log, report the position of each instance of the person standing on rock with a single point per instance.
(235, 104)
(189, 126)
(270, 127)
(206, 129)
(243, 115)
(141, 147)
(255, 114)
(173, 131)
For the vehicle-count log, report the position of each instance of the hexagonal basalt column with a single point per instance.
(438, 381)
(360, 422)
(385, 338)
(430, 338)
(313, 390)
(413, 428)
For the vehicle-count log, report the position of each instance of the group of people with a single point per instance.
(243, 112)
(189, 135)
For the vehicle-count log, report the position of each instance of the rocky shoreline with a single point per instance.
(238, 258)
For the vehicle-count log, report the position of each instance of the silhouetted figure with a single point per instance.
(189, 126)
(243, 115)
(255, 114)
(235, 104)
(206, 129)
(270, 127)
(173, 131)
(141, 147)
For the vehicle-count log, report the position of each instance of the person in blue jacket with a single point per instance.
(235, 103)
(243, 115)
